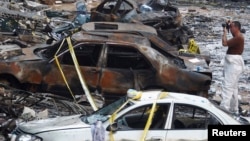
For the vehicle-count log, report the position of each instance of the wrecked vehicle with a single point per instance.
(170, 114)
(156, 42)
(133, 11)
(161, 15)
(111, 63)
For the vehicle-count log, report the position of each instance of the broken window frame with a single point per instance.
(192, 117)
(130, 55)
(142, 115)
(87, 53)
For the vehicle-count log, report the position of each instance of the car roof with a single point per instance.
(122, 38)
(151, 96)
(118, 26)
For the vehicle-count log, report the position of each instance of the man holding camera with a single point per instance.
(233, 66)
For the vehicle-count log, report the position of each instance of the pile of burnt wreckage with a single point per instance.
(118, 45)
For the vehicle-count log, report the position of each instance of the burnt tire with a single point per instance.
(9, 81)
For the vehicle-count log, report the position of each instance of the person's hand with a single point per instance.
(225, 30)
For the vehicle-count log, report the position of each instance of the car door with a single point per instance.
(125, 68)
(189, 123)
(131, 124)
(88, 57)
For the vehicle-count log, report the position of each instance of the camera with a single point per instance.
(227, 25)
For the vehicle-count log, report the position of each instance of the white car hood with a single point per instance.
(67, 122)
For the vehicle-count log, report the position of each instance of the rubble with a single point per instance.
(203, 17)
(206, 24)
(18, 106)
(7, 51)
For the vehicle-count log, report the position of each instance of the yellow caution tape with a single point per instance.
(149, 121)
(59, 67)
(64, 78)
(87, 93)
(112, 119)
(193, 47)
(60, 47)
(151, 115)
(163, 95)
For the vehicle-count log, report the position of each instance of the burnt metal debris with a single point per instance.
(25, 45)
(34, 58)
(18, 105)
(19, 12)
(161, 15)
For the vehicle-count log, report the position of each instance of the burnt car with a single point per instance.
(149, 12)
(111, 63)
(156, 42)
(160, 14)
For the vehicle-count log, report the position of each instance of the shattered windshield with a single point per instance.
(104, 113)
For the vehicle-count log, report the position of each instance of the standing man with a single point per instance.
(233, 66)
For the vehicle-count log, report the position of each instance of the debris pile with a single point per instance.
(18, 105)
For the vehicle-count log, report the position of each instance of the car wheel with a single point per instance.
(8, 81)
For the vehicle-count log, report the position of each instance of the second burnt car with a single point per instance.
(149, 12)
(111, 63)
(160, 14)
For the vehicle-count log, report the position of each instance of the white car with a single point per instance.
(174, 116)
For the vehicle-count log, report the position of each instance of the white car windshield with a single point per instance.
(104, 113)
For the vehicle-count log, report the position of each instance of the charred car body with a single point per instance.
(156, 42)
(161, 15)
(111, 63)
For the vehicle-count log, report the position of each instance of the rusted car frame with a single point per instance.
(110, 63)
(157, 43)
(165, 17)
(129, 11)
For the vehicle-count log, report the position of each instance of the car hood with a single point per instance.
(59, 123)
